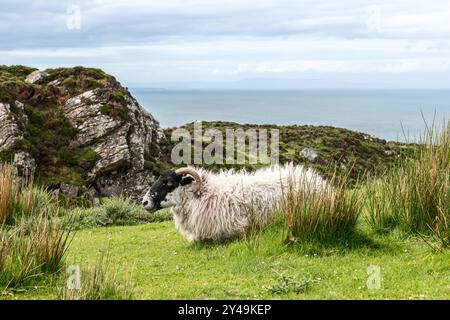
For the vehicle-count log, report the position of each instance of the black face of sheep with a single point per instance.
(155, 198)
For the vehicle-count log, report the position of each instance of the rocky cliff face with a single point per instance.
(78, 130)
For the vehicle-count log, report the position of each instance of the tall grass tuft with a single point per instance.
(381, 216)
(17, 266)
(325, 214)
(19, 197)
(253, 232)
(33, 249)
(33, 238)
(51, 237)
(8, 191)
(415, 196)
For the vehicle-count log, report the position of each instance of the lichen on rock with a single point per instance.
(36, 76)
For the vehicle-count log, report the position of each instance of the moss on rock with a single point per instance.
(6, 155)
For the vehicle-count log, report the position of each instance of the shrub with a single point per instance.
(68, 156)
(288, 283)
(115, 111)
(118, 96)
(6, 155)
(116, 211)
(16, 72)
(70, 83)
(106, 109)
(90, 84)
(78, 71)
(90, 157)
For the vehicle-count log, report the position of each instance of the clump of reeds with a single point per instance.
(324, 213)
(33, 238)
(32, 249)
(8, 190)
(415, 195)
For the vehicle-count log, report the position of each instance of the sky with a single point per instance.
(247, 43)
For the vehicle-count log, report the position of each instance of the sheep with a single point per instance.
(219, 206)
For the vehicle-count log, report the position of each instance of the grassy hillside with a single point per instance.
(338, 150)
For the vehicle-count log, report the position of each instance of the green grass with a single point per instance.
(164, 266)
(262, 265)
(98, 283)
(35, 234)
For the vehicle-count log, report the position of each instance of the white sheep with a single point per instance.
(221, 205)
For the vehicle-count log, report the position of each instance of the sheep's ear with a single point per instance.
(186, 180)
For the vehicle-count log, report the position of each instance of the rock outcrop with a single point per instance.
(119, 143)
(36, 76)
(9, 129)
(86, 132)
(24, 163)
(309, 154)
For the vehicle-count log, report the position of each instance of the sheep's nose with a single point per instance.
(145, 203)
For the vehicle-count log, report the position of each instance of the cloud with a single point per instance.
(229, 40)
(351, 66)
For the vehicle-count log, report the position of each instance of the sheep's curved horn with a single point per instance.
(194, 174)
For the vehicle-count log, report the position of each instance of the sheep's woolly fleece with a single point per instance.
(230, 200)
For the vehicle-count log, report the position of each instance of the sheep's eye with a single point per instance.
(169, 184)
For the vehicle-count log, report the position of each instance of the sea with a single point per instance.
(393, 115)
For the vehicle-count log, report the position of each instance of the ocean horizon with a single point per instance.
(394, 115)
